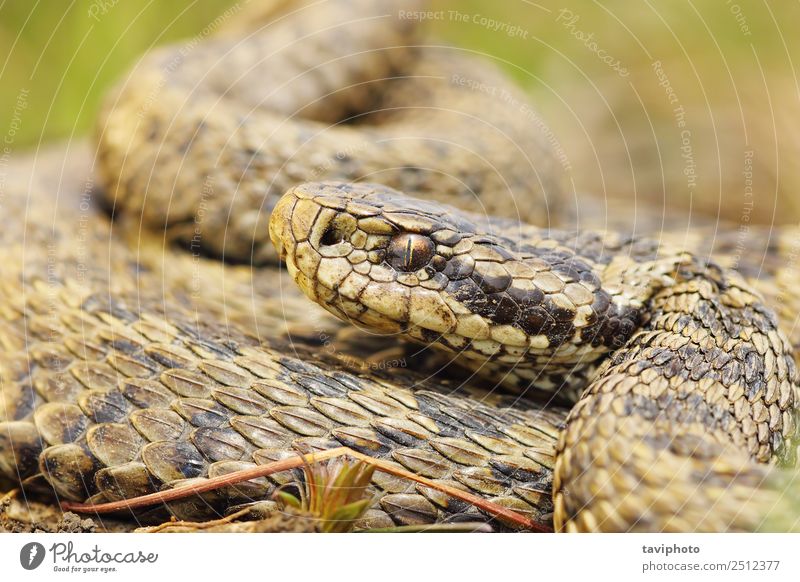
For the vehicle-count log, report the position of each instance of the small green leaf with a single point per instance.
(352, 511)
(288, 499)
(335, 493)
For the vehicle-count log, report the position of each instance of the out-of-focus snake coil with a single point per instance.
(129, 364)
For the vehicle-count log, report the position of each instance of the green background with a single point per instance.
(733, 65)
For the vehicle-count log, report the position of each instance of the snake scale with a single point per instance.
(129, 364)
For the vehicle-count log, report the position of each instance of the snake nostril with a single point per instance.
(331, 236)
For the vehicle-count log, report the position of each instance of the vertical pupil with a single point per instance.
(408, 260)
(410, 252)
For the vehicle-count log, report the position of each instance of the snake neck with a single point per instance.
(705, 388)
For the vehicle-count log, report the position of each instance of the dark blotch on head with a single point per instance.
(490, 283)
(506, 311)
(535, 320)
(459, 267)
(470, 295)
(526, 297)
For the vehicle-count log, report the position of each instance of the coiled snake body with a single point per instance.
(129, 366)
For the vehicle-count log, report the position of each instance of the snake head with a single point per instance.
(486, 288)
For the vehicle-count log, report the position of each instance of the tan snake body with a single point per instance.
(337, 90)
(129, 366)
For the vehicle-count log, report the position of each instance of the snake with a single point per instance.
(318, 227)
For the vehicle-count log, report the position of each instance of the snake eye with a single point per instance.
(410, 252)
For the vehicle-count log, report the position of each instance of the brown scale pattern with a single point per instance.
(690, 386)
(681, 412)
(128, 368)
(119, 403)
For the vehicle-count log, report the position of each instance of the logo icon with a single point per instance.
(31, 555)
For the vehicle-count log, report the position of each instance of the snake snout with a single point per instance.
(305, 226)
(360, 251)
(280, 226)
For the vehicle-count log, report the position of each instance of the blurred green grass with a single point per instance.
(732, 62)
(67, 54)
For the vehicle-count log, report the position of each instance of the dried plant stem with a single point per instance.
(492, 509)
(200, 524)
